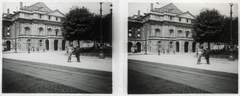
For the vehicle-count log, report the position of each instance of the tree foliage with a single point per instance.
(211, 26)
(80, 24)
(77, 24)
(208, 26)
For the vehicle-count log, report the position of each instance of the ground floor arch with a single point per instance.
(194, 47)
(129, 46)
(8, 45)
(186, 46)
(177, 46)
(138, 47)
(55, 45)
(63, 44)
(47, 44)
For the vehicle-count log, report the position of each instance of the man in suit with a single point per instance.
(78, 53)
(207, 54)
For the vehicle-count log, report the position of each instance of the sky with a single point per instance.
(193, 8)
(63, 7)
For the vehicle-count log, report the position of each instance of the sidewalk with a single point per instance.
(189, 60)
(60, 58)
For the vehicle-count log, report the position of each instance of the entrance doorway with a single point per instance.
(129, 46)
(138, 47)
(186, 47)
(8, 45)
(177, 46)
(55, 45)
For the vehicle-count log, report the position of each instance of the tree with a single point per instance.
(208, 27)
(77, 24)
(226, 30)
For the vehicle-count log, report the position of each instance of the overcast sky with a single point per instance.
(193, 8)
(64, 7)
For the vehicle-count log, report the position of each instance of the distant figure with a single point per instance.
(28, 50)
(207, 54)
(77, 53)
(158, 51)
(33, 49)
(70, 50)
(200, 52)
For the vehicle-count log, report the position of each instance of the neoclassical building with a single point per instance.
(167, 29)
(35, 26)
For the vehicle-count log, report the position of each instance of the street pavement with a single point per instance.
(91, 81)
(208, 81)
(60, 58)
(188, 60)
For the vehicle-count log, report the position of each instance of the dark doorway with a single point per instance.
(8, 45)
(186, 47)
(194, 46)
(177, 46)
(129, 46)
(55, 45)
(47, 44)
(138, 47)
(63, 44)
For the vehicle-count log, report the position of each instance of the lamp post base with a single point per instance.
(101, 54)
(231, 57)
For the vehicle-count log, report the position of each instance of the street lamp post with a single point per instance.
(101, 54)
(231, 57)
(15, 38)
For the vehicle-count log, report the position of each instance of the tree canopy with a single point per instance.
(211, 26)
(80, 24)
(208, 26)
(77, 24)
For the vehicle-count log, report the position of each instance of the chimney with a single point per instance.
(151, 7)
(138, 12)
(7, 11)
(21, 5)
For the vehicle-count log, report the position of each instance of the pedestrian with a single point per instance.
(207, 54)
(70, 50)
(200, 52)
(28, 50)
(77, 51)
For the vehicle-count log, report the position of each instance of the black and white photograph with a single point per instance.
(182, 48)
(57, 47)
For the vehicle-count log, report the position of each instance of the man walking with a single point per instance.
(207, 53)
(77, 53)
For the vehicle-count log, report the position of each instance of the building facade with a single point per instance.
(36, 27)
(167, 29)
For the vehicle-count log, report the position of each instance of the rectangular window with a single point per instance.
(49, 17)
(180, 19)
(187, 20)
(170, 17)
(56, 18)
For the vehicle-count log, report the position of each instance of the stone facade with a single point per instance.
(167, 29)
(35, 26)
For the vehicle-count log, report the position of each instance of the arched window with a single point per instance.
(27, 30)
(187, 34)
(49, 31)
(179, 33)
(40, 30)
(171, 32)
(157, 32)
(56, 32)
